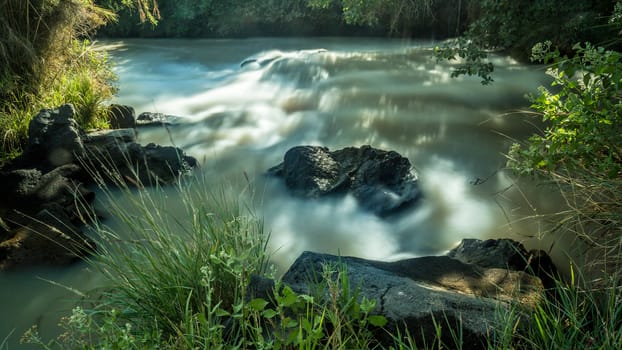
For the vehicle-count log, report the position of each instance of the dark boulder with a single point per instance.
(414, 294)
(44, 193)
(54, 139)
(115, 160)
(506, 254)
(383, 182)
(28, 189)
(121, 116)
(49, 237)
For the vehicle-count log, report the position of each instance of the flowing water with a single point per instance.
(241, 104)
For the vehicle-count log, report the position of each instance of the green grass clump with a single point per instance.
(177, 277)
(46, 61)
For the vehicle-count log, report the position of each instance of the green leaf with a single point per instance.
(222, 313)
(257, 304)
(377, 320)
(268, 314)
(288, 298)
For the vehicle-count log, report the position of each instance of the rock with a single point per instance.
(415, 293)
(49, 238)
(18, 184)
(115, 161)
(499, 253)
(121, 117)
(102, 138)
(154, 119)
(508, 254)
(28, 189)
(383, 182)
(54, 138)
(45, 200)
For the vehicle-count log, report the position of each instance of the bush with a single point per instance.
(583, 114)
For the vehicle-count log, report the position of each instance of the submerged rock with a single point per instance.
(415, 294)
(383, 182)
(154, 119)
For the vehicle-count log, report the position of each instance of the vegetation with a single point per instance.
(514, 27)
(580, 149)
(583, 114)
(47, 60)
(179, 280)
(206, 18)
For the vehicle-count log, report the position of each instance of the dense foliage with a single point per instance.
(583, 113)
(217, 18)
(514, 27)
(214, 18)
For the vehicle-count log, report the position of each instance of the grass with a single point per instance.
(46, 61)
(179, 280)
(177, 277)
(594, 216)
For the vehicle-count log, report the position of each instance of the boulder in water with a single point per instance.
(383, 182)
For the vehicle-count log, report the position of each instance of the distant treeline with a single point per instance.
(431, 19)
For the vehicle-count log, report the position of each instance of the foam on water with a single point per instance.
(241, 119)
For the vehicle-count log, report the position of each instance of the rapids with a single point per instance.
(241, 104)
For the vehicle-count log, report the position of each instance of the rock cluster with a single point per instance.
(45, 191)
(383, 182)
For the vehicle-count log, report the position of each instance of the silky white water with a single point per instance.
(241, 104)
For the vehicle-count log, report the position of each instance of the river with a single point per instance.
(241, 104)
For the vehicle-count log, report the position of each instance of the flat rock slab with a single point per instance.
(415, 293)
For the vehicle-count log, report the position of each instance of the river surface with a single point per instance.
(241, 104)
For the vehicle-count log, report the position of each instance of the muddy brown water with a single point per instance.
(239, 119)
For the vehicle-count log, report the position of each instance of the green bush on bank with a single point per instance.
(580, 148)
(46, 60)
(583, 114)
